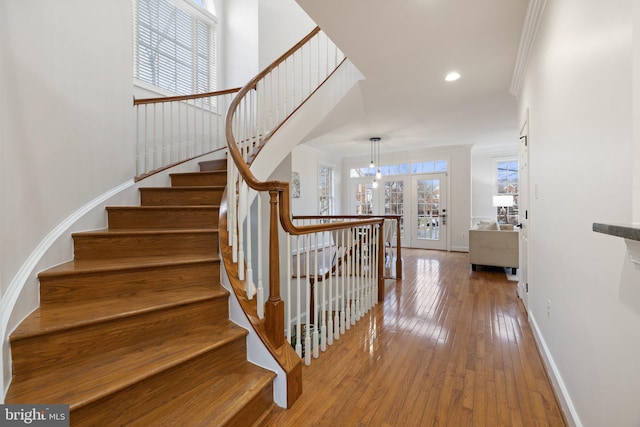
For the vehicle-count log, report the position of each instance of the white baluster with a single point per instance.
(309, 318)
(330, 309)
(242, 212)
(260, 284)
(287, 320)
(323, 313)
(250, 287)
(343, 274)
(298, 302)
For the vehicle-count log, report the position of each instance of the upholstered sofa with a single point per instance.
(493, 244)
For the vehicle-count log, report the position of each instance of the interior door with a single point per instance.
(429, 211)
(523, 213)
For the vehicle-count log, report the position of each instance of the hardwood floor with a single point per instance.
(449, 347)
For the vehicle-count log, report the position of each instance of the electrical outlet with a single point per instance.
(548, 309)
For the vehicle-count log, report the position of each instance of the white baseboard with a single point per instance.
(556, 379)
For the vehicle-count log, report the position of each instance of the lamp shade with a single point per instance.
(503, 201)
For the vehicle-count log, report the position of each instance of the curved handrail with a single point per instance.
(161, 99)
(254, 116)
(245, 171)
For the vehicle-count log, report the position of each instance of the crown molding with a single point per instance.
(530, 26)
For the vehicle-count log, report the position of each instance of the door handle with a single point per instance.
(518, 226)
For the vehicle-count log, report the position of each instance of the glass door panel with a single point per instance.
(363, 198)
(394, 203)
(429, 212)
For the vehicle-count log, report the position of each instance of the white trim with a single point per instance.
(257, 352)
(527, 37)
(18, 283)
(554, 373)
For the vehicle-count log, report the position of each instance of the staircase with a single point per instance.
(135, 330)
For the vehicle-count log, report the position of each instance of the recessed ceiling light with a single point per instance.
(452, 76)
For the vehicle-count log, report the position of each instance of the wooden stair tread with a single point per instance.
(59, 317)
(143, 231)
(99, 376)
(84, 266)
(185, 188)
(160, 208)
(226, 397)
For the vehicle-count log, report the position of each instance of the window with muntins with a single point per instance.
(507, 185)
(325, 190)
(174, 46)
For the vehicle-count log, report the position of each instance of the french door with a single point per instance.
(429, 211)
(394, 202)
(420, 199)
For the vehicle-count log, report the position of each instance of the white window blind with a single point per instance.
(174, 46)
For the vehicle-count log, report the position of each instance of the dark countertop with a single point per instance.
(627, 231)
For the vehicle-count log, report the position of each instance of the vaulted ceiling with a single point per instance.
(405, 48)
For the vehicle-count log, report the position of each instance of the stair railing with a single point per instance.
(392, 235)
(257, 112)
(173, 129)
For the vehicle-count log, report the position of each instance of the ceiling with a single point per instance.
(405, 48)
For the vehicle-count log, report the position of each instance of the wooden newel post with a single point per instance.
(274, 307)
(398, 251)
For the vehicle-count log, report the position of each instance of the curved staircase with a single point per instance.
(135, 330)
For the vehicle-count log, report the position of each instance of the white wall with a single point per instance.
(578, 89)
(282, 23)
(306, 161)
(67, 132)
(238, 55)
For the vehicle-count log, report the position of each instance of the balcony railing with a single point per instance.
(170, 130)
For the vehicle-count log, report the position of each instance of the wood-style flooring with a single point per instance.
(449, 347)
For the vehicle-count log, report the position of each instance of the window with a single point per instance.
(429, 167)
(174, 46)
(400, 169)
(507, 185)
(325, 190)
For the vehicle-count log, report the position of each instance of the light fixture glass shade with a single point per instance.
(504, 201)
(452, 76)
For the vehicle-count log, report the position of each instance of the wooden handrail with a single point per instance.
(184, 97)
(397, 218)
(243, 169)
(242, 149)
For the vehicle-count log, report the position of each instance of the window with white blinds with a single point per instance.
(174, 46)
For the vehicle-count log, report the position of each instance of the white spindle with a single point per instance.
(326, 276)
(298, 302)
(260, 297)
(343, 274)
(287, 319)
(242, 211)
(251, 289)
(307, 338)
(316, 324)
